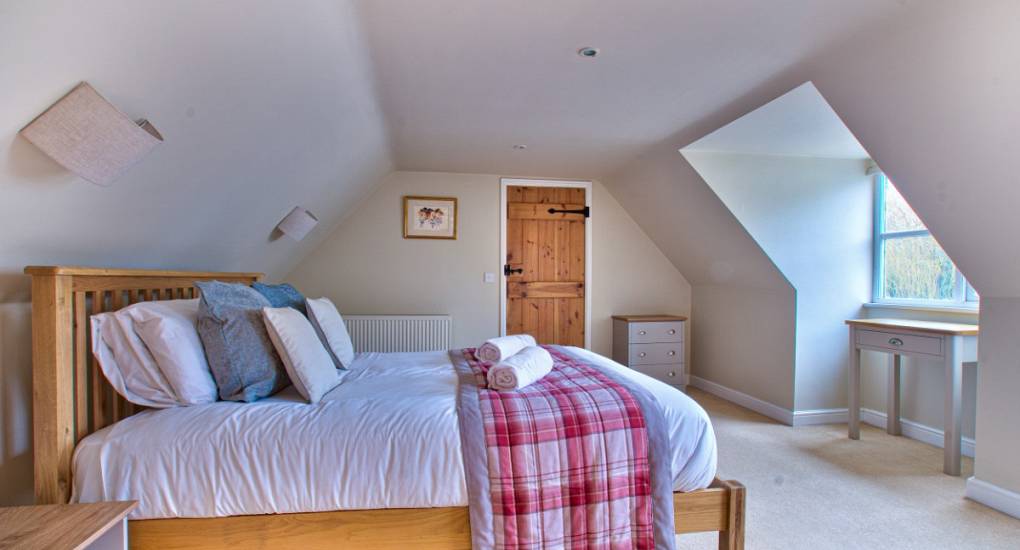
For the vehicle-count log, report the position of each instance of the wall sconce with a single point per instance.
(298, 223)
(90, 137)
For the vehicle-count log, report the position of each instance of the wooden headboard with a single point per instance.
(70, 396)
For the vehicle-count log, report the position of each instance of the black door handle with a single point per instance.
(586, 211)
(508, 272)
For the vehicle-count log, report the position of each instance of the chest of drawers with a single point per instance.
(652, 344)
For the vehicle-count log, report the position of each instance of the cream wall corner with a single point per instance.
(366, 266)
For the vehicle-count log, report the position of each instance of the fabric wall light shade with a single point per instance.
(298, 223)
(90, 137)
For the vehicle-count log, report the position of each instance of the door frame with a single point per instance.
(504, 183)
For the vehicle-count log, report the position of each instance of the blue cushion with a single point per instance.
(283, 295)
(241, 356)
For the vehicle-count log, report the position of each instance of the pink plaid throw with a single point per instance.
(568, 461)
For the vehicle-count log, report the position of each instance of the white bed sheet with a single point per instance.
(386, 437)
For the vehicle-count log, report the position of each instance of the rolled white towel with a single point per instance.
(517, 371)
(495, 350)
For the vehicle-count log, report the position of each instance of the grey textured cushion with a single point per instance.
(282, 295)
(241, 355)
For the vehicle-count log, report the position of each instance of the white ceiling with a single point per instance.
(302, 103)
(260, 113)
(461, 82)
(799, 123)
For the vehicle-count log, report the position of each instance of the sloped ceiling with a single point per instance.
(929, 93)
(462, 82)
(797, 124)
(264, 106)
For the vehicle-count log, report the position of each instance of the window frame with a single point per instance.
(961, 293)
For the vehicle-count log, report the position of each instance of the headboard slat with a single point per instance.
(71, 397)
(81, 366)
(99, 383)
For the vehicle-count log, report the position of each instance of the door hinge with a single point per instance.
(586, 211)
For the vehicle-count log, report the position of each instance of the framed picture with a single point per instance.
(430, 217)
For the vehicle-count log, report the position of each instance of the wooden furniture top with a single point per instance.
(933, 327)
(649, 318)
(69, 526)
(108, 272)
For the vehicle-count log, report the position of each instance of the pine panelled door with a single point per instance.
(545, 256)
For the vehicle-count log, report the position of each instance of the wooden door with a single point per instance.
(545, 254)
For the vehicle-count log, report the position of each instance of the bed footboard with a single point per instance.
(720, 508)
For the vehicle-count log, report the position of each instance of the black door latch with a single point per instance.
(586, 211)
(508, 272)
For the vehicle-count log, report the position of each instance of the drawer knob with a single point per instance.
(672, 374)
(642, 354)
(672, 331)
(896, 341)
(642, 333)
(671, 353)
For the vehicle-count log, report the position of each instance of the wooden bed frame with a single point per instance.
(71, 399)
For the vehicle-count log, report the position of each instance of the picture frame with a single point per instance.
(430, 217)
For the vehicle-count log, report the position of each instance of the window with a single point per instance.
(910, 266)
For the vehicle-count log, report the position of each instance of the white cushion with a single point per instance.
(127, 364)
(330, 325)
(168, 329)
(306, 360)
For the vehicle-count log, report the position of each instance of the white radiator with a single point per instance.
(391, 333)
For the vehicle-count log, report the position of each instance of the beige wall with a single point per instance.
(812, 216)
(743, 340)
(260, 114)
(15, 404)
(366, 266)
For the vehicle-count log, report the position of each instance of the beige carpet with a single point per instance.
(812, 488)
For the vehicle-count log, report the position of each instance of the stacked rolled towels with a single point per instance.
(495, 350)
(520, 369)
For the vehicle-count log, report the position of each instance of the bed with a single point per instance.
(74, 407)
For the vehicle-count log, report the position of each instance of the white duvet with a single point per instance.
(386, 437)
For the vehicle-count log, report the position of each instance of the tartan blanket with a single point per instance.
(578, 459)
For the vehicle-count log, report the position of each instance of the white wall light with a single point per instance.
(298, 223)
(90, 137)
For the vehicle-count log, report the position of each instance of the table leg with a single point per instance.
(892, 403)
(954, 398)
(854, 385)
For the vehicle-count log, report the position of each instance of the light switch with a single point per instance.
(489, 277)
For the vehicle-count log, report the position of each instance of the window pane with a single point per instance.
(916, 268)
(899, 216)
(972, 295)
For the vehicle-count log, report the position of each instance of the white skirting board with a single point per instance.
(819, 416)
(911, 429)
(759, 406)
(993, 496)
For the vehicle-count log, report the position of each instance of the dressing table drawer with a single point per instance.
(905, 343)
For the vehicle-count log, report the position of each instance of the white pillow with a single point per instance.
(168, 329)
(127, 364)
(309, 366)
(331, 328)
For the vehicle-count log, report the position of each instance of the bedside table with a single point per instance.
(95, 526)
(652, 344)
